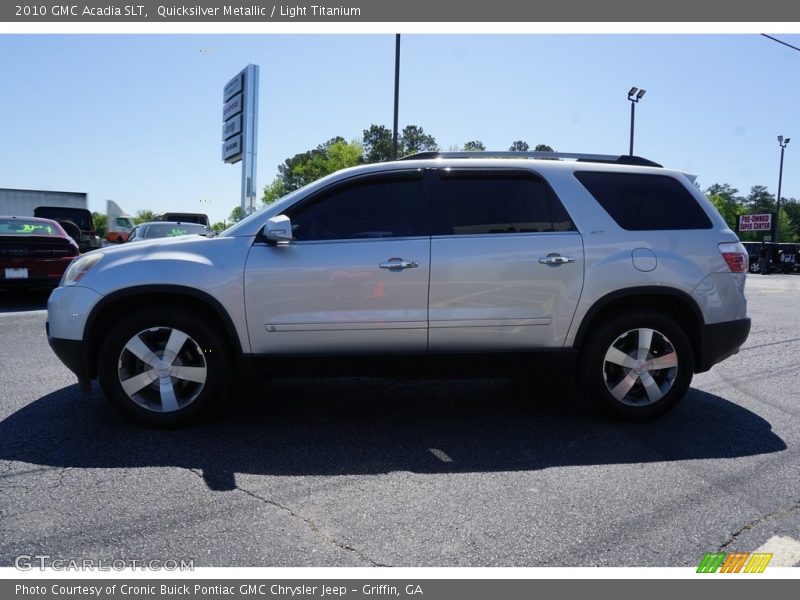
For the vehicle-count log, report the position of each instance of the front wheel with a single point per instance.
(637, 366)
(164, 366)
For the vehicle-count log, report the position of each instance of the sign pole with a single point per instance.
(239, 131)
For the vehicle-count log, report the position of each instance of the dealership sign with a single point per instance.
(755, 222)
(239, 128)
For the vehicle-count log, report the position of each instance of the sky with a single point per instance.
(137, 117)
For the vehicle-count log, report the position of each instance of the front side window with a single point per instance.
(383, 207)
(473, 203)
(644, 202)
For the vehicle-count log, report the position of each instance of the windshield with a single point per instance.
(24, 227)
(159, 230)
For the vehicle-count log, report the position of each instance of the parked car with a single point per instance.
(81, 217)
(200, 218)
(33, 252)
(162, 229)
(620, 268)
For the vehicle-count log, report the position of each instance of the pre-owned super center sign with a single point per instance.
(755, 222)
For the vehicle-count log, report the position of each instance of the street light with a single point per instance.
(396, 93)
(634, 95)
(782, 143)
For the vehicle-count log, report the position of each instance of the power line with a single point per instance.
(781, 42)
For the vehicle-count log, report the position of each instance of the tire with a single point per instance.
(622, 379)
(164, 366)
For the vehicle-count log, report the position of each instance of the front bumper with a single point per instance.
(74, 354)
(721, 340)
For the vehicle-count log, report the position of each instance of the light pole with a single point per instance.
(396, 93)
(782, 143)
(634, 95)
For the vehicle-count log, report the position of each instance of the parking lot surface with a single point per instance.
(371, 472)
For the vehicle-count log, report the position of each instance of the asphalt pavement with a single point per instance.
(372, 472)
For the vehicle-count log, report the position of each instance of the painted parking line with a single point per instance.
(785, 551)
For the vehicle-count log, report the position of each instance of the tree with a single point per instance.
(273, 191)
(414, 140)
(99, 224)
(377, 143)
(219, 226)
(519, 146)
(728, 208)
(145, 215)
(474, 146)
(543, 148)
(302, 169)
(791, 208)
(237, 214)
(760, 201)
(726, 191)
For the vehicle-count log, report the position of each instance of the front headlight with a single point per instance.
(79, 267)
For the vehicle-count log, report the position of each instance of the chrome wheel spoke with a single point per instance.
(140, 350)
(662, 362)
(645, 342)
(196, 374)
(651, 387)
(618, 357)
(169, 402)
(176, 341)
(621, 390)
(138, 382)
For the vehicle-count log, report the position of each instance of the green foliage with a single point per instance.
(475, 146)
(99, 224)
(414, 140)
(378, 144)
(543, 148)
(219, 226)
(519, 146)
(731, 205)
(236, 215)
(273, 191)
(728, 208)
(145, 215)
(302, 169)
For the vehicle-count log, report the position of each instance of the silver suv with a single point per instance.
(619, 267)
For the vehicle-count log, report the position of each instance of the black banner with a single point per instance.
(406, 589)
(366, 11)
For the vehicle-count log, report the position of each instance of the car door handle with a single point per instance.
(556, 259)
(397, 264)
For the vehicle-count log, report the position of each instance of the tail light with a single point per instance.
(735, 256)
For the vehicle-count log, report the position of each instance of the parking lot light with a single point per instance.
(634, 95)
(782, 143)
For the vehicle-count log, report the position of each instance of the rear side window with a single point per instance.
(639, 202)
(475, 203)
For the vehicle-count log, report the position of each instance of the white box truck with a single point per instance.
(118, 223)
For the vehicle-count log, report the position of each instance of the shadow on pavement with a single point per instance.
(373, 426)
(19, 301)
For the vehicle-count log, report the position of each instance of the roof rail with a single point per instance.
(622, 159)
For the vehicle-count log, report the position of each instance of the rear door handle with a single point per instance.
(398, 264)
(556, 259)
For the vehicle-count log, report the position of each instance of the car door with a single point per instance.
(506, 262)
(355, 277)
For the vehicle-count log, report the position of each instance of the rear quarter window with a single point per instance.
(645, 202)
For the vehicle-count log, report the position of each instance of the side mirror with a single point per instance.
(278, 229)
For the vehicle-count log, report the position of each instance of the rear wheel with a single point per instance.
(164, 366)
(637, 366)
